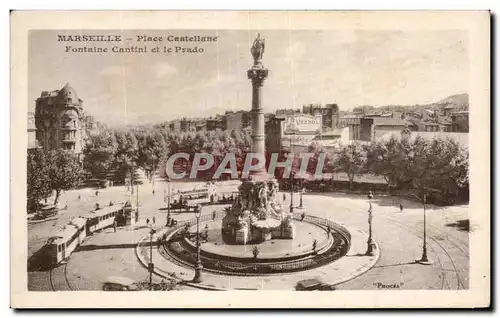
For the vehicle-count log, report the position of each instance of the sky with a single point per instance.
(350, 68)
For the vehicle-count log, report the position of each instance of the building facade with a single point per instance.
(60, 120)
(381, 125)
(329, 114)
(32, 142)
(285, 132)
(237, 120)
(460, 121)
(273, 131)
(219, 122)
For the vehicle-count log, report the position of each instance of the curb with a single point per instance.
(370, 266)
(43, 220)
(164, 274)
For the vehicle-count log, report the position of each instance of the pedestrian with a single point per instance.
(284, 196)
(114, 225)
(79, 197)
(154, 220)
(97, 193)
(147, 221)
(153, 191)
(214, 215)
(401, 207)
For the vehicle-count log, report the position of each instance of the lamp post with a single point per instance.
(151, 265)
(424, 260)
(153, 174)
(168, 200)
(291, 192)
(137, 194)
(301, 191)
(197, 271)
(370, 251)
(132, 179)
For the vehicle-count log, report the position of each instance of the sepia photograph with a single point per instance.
(253, 158)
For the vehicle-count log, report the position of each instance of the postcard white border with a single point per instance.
(477, 23)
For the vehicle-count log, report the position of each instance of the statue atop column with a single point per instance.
(257, 215)
(257, 51)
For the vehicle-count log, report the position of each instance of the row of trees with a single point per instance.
(50, 172)
(118, 151)
(411, 163)
(439, 165)
(112, 154)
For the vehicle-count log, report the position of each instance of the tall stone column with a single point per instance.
(257, 75)
(256, 215)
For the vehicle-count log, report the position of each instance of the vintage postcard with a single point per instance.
(250, 159)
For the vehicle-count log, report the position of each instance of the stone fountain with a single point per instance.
(256, 216)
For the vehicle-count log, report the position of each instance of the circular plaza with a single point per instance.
(322, 250)
(318, 242)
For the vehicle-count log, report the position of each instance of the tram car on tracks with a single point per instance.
(182, 200)
(103, 218)
(60, 246)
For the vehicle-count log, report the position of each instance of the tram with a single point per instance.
(102, 218)
(60, 246)
(181, 199)
(65, 242)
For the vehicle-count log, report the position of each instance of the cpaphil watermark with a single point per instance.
(253, 162)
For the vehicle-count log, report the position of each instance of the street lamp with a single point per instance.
(132, 179)
(137, 194)
(151, 265)
(370, 251)
(291, 192)
(168, 201)
(197, 272)
(302, 190)
(424, 260)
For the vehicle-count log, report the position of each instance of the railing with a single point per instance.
(338, 249)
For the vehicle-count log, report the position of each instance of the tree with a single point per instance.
(99, 154)
(152, 147)
(317, 149)
(126, 153)
(438, 166)
(444, 167)
(38, 182)
(64, 170)
(351, 159)
(384, 158)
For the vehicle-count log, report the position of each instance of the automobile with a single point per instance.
(312, 284)
(119, 283)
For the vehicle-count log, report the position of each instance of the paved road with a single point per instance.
(399, 234)
(107, 253)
